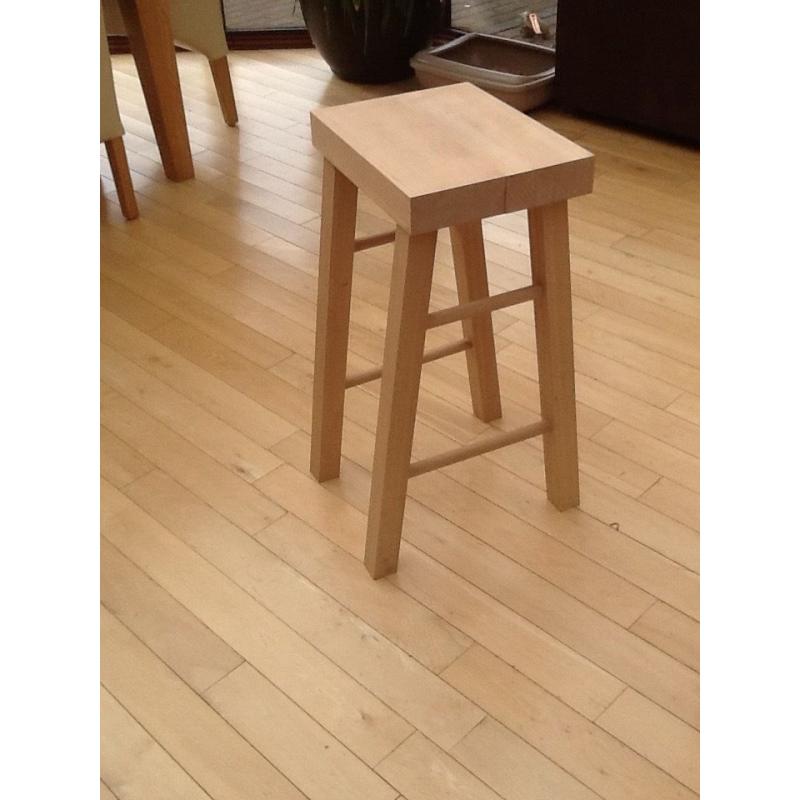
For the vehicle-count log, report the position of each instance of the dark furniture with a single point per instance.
(635, 61)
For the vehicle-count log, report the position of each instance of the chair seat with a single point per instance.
(444, 156)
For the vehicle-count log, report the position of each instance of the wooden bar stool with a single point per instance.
(444, 157)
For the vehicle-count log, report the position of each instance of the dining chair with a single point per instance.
(197, 25)
(111, 131)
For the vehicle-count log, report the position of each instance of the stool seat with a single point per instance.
(440, 157)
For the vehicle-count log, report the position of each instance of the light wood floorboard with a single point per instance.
(519, 652)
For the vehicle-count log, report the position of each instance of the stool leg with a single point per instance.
(549, 235)
(469, 259)
(339, 201)
(412, 274)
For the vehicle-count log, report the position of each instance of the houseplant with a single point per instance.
(371, 41)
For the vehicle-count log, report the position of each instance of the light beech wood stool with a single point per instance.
(442, 158)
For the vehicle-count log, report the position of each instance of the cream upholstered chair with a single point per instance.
(196, 25)
(111, 131)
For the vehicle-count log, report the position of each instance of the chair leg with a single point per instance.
(470, 266)
(221, 73)
(150, 37)
(412, 274)
(339, 202)
(549, 235)
(115, 150)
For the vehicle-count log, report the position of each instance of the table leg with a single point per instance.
(150, 35)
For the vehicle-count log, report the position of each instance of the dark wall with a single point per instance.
(636, 61)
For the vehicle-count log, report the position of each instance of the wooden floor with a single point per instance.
(519, 653)
(504, 18)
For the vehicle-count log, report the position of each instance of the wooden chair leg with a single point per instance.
(339, 201)
(412, 274)
(115, 150)
(150, 37)
(549, 235)
(469, 259)
(221, 73)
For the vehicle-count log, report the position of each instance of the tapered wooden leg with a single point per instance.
(122, 177)
(412, 273)
(549, 235)
(147, 23)
(470, 265)
(339, 201)
(221, 73)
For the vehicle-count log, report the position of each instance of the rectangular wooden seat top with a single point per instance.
(443, 156)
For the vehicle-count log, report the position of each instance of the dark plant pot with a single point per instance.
(371, 41)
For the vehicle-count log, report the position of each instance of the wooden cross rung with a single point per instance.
(431, 355)
(365, 242)
(485, 445)
(492, 303)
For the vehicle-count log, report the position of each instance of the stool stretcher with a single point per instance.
(431, 355)
(366, 242)
(484, 445)
(492, 303)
